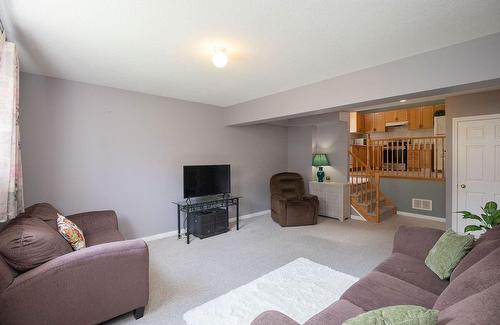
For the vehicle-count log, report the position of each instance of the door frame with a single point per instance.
(454, 161)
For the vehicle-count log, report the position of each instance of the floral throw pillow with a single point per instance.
(70, 232)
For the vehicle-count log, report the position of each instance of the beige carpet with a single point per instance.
(185, 276)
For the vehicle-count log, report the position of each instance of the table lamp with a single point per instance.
(320, 160)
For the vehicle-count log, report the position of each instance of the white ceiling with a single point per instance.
(164, 47)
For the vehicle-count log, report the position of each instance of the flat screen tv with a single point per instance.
(206, 180)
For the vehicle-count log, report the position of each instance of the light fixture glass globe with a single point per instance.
(219, 58)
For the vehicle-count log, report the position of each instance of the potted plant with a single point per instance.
(489, 219)
(440, 112)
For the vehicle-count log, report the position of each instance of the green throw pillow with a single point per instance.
(447, 253)
(395, 315)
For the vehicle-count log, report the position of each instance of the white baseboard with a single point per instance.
(252, 215)
(406, 214)
(421, 216)
(162, 235)
(174, 232)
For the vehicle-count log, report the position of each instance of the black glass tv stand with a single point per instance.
(193, 206)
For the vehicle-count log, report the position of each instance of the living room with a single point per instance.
(160, 162)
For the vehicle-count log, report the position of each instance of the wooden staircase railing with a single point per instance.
(366, 196)
(408, 157)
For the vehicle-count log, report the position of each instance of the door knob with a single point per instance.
(463, 186)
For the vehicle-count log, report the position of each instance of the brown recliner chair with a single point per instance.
(290, 205)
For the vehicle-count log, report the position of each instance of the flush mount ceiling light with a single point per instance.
(403, 100)
(219, 57)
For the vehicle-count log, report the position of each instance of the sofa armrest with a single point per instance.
(415, 241)
(314, 200)
(95, 221)
(90, 285)
(278, 203)
(273, 317)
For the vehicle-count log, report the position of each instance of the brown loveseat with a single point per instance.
(290, 206)
(470, 297)
(108, 278)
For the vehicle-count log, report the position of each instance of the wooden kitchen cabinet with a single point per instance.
(421, 118)
(368, 118)
(374, 122)
(360, 123)
(399, 115)
(427, 117)
(414, 117)
(357, 122)
(418, 118)
(379, 122)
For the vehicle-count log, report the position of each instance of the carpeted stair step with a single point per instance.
(370, 205)
(385, 211)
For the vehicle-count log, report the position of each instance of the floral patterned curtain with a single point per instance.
(11, 184)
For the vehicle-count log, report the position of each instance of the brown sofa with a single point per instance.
(470, 297)
(290, 205)
(108, 278)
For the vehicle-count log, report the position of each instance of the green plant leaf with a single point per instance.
(496, 217)
(489, 219)
(470, 228)
(491, 207)
(471, 216)
(440, 112)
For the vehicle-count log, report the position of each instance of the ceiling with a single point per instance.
(164, 47)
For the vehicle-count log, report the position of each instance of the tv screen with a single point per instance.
(206, 180)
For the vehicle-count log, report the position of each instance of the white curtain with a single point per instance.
(11, 179)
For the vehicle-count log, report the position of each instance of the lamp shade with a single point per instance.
(320, 159)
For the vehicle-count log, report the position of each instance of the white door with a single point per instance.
(477, 164)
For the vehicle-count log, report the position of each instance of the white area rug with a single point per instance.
(300, 289)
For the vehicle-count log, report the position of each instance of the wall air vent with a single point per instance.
(421, 204)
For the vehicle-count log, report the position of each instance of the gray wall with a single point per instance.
(460, 106)
(438, 72)
(89, 147)
(325, 134)
(300, 151)
(333, 139)
(401, 191)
